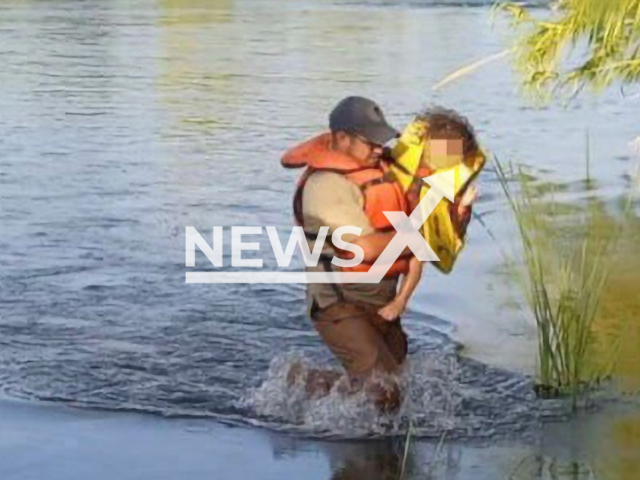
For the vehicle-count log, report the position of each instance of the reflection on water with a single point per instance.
(603, 446)
(183, 13)
(541, 467)
(621, 305)
(187, 81)
(380, 461)
(622, 460)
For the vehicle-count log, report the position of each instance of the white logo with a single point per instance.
(408, 235)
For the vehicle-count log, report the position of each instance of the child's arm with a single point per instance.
(410, 281)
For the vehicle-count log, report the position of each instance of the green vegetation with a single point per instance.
(582, 262)
(408, 454)
(581, 43)
(405, 456)
(566, 271)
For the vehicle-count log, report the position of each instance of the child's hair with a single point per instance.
(449, 124)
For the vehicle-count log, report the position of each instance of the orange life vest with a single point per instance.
(379, 189)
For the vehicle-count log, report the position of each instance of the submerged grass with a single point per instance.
(565, 278)
(407, 454)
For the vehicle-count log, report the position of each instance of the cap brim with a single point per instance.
(383, 134)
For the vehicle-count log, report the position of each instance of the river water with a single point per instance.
(121, 123)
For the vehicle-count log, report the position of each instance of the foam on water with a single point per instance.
(443, 392)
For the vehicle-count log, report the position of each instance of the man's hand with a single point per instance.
(393, 310)
(415, 188)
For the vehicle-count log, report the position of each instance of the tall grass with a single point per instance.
(564, 281)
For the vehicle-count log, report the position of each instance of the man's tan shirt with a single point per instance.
(332, 200)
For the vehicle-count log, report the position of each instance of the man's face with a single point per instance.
(363, 151)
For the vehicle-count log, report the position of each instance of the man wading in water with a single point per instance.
(346, 184)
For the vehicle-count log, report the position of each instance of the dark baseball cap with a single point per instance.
(363, 117)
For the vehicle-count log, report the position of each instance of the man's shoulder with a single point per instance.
(330, 183)
(324, 177)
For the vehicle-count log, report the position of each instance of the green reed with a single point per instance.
(408, 453)
(405, 456)
(564, 280)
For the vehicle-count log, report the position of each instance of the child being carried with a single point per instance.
(437, 141)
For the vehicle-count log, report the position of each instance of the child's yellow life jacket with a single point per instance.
(439, 229)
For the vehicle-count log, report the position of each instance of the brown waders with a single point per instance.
(369, 348)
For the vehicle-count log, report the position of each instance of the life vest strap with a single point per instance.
(325, 261)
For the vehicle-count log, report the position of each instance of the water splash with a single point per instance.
(443, 392)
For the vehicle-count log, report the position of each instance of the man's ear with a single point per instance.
(339, 139)
(334, 139)
(387, 155)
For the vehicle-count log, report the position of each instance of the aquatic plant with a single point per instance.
(603, 36)
(564, 281)
(407, 453)
(405, 456)
(538, 465)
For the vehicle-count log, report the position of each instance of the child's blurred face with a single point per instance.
(446, 146)
(444, 152)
